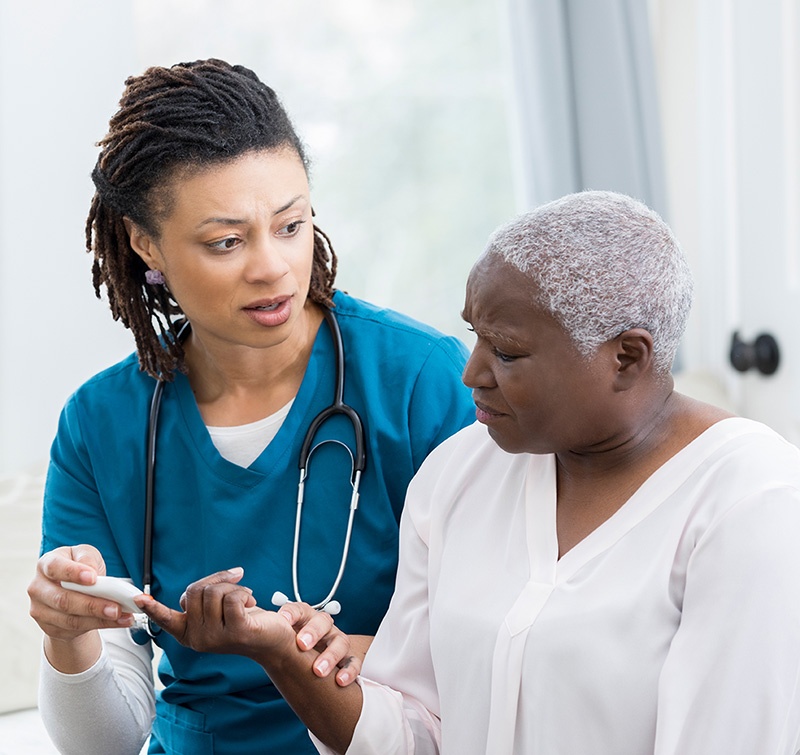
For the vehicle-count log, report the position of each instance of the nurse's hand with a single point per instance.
(221, 616)
(65, 614)
(68, 618)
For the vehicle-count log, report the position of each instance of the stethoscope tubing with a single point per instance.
(306, 450)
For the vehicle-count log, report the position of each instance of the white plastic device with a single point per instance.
(112, 588)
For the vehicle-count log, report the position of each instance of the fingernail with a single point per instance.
(306, 640)
(344, 677)
(125, 621)
(87, 577)
(236, 570)
(111, 612)
(323, 667)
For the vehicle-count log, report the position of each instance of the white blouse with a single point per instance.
(672, 629)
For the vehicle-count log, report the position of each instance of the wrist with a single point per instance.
(75, 654)
(284, 656)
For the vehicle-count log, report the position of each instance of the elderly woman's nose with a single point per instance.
(476, 372)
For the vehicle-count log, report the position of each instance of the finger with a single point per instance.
(199, 587)
(205, 600)
(335, 649)
(227, 575)
(194, 591)
(297, 614)
(172, 622)
(90, 556)
(59, 565)
(318, 626)
(61, 625)
(48, 595)
(349, 669)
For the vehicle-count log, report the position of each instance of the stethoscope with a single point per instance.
(358, 463)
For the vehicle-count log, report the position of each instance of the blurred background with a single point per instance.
(428, 125)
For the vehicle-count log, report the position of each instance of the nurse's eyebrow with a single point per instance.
(287, 205)
(239, 221)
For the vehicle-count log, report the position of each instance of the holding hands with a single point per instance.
(221, 616)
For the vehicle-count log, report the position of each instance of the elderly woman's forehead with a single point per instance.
(492, 268)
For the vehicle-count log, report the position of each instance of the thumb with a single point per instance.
(89, 556)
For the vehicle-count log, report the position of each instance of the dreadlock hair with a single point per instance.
(191, 115)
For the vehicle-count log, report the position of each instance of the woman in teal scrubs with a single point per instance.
(202, 212)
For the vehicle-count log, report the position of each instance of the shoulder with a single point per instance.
(118, 384)
(765, 454)
(465, 473)
(463, 460)
(738, 471)
(386, 330)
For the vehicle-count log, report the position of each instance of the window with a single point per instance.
(402, 106)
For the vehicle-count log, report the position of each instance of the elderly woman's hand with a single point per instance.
(221, 616)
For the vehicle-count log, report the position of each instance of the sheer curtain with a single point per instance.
(585, 100)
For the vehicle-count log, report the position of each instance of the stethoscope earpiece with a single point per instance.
(332, 607)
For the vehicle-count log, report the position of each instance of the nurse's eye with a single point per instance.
(291, 229)
(225, 245)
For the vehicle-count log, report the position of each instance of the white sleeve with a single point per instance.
(731, 679)
(107, 708)
(399, 715)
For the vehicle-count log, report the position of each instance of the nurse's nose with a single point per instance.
(265, 262)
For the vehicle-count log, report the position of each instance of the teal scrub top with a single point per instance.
(403, 378)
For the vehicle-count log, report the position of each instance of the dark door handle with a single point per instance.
(763, 354)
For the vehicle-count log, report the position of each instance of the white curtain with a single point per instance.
(585, 99)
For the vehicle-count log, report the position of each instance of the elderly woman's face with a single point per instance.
(532, 388)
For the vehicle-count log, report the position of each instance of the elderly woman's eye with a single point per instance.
(504, 357)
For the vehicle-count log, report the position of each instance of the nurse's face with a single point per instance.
(532, 388)
(236, 249)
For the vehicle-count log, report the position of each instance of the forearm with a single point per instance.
(76, 708)
(74, 655)
(328, 710)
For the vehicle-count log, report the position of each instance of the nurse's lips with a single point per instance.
(270, 312)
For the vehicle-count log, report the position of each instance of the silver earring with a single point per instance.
(154, 277)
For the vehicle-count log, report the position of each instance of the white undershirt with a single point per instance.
(243, 444)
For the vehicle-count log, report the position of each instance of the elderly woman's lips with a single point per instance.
(484, 414)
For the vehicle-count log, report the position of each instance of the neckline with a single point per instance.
(542, 535)
(319, 372)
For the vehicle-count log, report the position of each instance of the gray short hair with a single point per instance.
(602, 263)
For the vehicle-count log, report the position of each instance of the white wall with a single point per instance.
(60, 75)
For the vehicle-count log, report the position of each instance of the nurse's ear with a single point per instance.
(143, 244)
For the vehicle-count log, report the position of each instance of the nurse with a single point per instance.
(202, 214)
(599, 564)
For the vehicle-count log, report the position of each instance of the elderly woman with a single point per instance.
(599, 564)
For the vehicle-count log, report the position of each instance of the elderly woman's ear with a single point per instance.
(634, 357)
